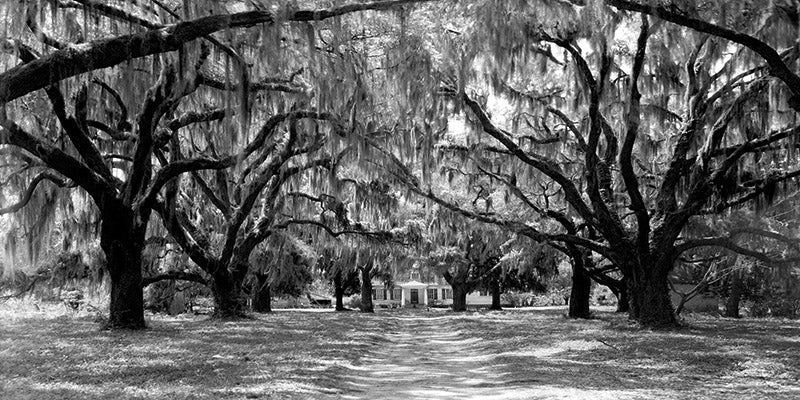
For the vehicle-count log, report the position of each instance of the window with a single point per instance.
(383, 294)
(432, 294)
(414, 275)
(447, 294)
(397, 294)
(483, 293)
(374, 294)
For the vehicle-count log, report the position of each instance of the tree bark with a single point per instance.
(228, 289)
(123, 243)
(460, 291)
(262, 298)
(366, 290)
(581, 290)
(495, 289)
(338, 290)
(126, 310)
(580, 293)
(650, 303)
(734, 296)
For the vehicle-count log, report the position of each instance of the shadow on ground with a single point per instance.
(517, 354)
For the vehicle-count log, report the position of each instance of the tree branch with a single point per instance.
(26, 197)
(625, 156)
(103, 53)
(174, 275)
(672, 14)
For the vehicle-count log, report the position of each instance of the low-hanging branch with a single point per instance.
(174, 275)
(403, 175)
(760, 187)
(728, 242)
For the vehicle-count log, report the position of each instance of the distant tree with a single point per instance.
(281, 266)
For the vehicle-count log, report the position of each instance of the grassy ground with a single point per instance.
(516, 354)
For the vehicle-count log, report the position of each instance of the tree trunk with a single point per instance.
(262, 298)
(580, 294)
(366, 290)
(623, 300)
(650, 303)
(338, 290)
(126, 310)
(123, 243)
(228, 289)
(734, 296)
(495, 289)
(581, 290)
(460, 291)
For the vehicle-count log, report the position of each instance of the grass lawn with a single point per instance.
(515, 354)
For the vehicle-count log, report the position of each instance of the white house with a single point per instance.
(414, 293)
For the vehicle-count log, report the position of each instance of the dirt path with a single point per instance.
(428, 357)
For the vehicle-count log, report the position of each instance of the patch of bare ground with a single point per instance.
(515, 354)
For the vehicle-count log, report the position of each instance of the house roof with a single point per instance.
(416, 284)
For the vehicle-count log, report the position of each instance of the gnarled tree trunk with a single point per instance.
(648, 288)
(366, 290)
(123, 243)
(460, 291)
(228, 289)
(126, 309)
(262, 298)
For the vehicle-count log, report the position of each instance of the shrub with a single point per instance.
(775, 307)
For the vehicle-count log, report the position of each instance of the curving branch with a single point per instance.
(26, 197)
(190, 118)
(671, 13)
(122, 124)
(175, 168)
(56, 159)
(761, 186)
(183, 232)
(551, 170)
(74, 126)
(633, 121)
(223, 206)
(730, 244)
(598, 173)
(174, 275)
(404, 175)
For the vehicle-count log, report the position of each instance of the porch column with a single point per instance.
(425, 295)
